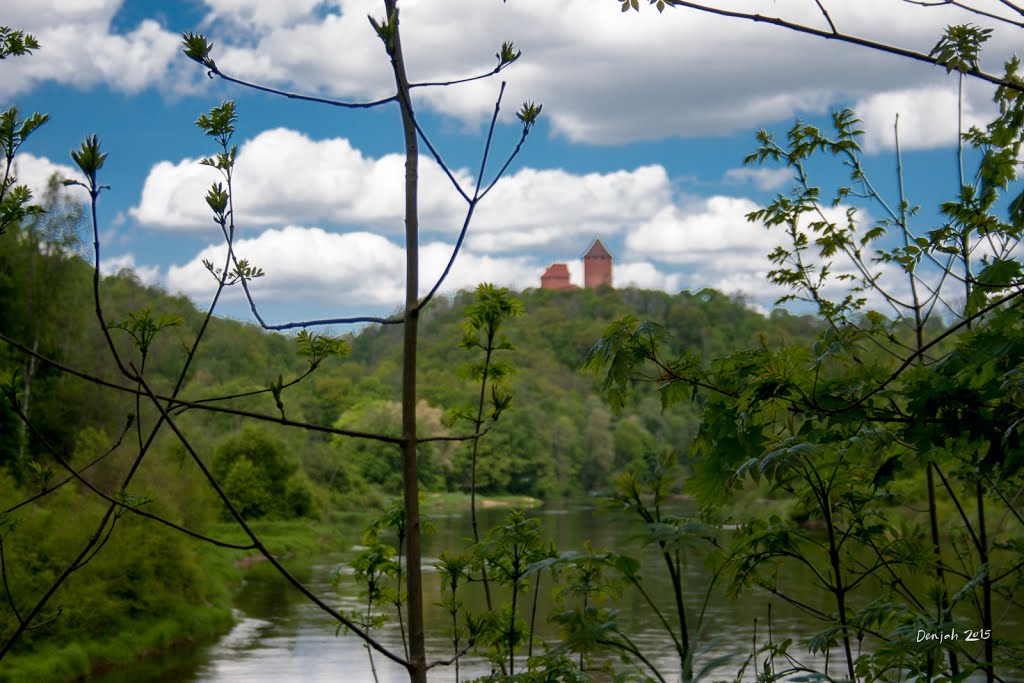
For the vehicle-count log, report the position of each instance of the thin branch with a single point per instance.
(477, 196)
(53, 488)
(1014, 6)
(303, 98)
(102, 494)
(7, 588)
(972, 10)
(451, 260)
(453, 659)
(237, 516)
(99, 546)
(176, 403)
(407, 106)
(827, 17)
(920, 352)
(458, 81)
(255, 392)
(463, 437)
(508, 162)
(490, 139)
(974, 72)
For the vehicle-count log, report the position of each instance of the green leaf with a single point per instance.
(90, 160)
(197, 48)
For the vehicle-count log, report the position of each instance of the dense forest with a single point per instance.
(558, 439)
(875, 446)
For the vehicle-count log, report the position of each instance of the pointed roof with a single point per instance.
(597, 250)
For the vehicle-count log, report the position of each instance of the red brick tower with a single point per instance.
(556, 277)
(597, 266)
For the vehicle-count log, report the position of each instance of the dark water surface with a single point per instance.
(281, 638)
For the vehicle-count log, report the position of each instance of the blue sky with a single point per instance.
(646, 121)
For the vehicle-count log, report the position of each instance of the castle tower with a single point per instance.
(556, 277)
(597, 266)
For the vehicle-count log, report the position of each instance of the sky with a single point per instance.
(646, 121)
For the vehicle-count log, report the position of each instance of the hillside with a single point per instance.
(558, 439)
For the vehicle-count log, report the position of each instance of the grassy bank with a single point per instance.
(185, 625)
(182, 623)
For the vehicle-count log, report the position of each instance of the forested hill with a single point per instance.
(558, 438)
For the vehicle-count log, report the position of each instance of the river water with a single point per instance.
(281, 638)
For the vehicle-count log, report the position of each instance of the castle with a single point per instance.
(597, 270)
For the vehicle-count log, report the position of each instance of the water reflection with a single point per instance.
(280, 637)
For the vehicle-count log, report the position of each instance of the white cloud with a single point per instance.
(330, 181)
(645, 275)
(33, 15)
(709, 243)
(766, 179)
(35, 172)
(345, 269)
(556, 207)
(260, 13)
(114, 265)
(715, 227)
(80, 49)
(284, 176)
(605, 77)
(927, 118)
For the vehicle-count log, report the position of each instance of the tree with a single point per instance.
(906, 396)
(144, 327)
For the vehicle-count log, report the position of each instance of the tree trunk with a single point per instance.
(410, 484)
(30, 370)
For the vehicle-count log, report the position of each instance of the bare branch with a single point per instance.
(827, 17)
(142, 513)
(973, 72)
(176, 403)
(973, 10)
(53, 488)
(237, 516)
(304, 98)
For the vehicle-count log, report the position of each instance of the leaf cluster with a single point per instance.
(16, 43)
(15, 199)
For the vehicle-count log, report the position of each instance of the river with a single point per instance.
(281, 638)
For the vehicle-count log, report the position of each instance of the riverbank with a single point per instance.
(181, 624)
(186, 625)
(446, 502)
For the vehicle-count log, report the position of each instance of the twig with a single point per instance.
(237, 516)
(974, 72)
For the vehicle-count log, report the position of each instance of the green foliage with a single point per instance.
(378, 463)
(16, 43)
(298, 497)
(318, 347)
(511, 552)
(255, 470)
(146, 583)
(873, 412)
(142, 327)
(197, 48)
(248, 488)
(529, 114)
(960, 47)
(15, 206)
(635, 4)
(89, 160)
